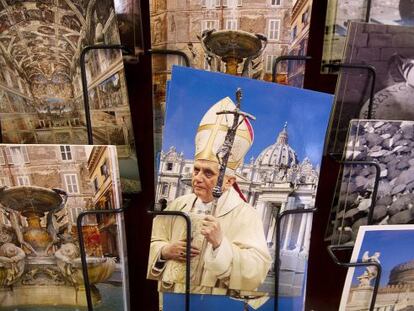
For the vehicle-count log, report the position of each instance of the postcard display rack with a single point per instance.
(126, 51)
(82, 248)
(332, 249)
(88, 121)
(280, 216)
(338, 158)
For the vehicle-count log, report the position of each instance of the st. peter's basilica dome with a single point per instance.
(279, 154)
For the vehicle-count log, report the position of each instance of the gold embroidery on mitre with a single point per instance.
(212, 132)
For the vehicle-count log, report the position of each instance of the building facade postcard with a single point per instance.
(43, 190)
(388, 143)
(41, 99)
(390, 49)
(389, 246)
(273, 166)
(282, 25)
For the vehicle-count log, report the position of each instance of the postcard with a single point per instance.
(43, 190)
(389, 144)
(273, 166)
(41, 98)
(277, 28)
(390, 50)
(187, 28)
(390, 246)
(340, 14)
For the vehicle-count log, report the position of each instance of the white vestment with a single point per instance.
(241, 262)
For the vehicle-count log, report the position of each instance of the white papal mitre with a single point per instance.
(213, 129)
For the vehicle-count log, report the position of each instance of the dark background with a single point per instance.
(325, 279)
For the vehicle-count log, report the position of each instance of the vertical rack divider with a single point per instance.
(82, 58)
(280, 216)
(121, 210)
(83, 251)
(187, 249)
(371, 71)
(285, 213)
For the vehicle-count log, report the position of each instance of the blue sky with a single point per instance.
(174, 302)
(192, 92)
(395, 246)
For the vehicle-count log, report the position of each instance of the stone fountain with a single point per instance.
(39, 265)
(232, 47)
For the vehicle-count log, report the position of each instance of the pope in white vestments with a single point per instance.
(228, 249)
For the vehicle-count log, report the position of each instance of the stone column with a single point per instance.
(251, 199)
(260, 207)
(303, 223)
(288, 227)
(270, 234)
(178, 190)
(172, 194)
(308, 229)
(159, 190)
(282, 207)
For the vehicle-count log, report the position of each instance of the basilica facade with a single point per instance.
(274, 181)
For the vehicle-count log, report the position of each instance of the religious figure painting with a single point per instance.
(43, 190)
(40, 81)
(390, 50)
(276, 140)
(389, 145)
(387, 246)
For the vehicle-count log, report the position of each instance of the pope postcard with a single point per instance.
(236, 152)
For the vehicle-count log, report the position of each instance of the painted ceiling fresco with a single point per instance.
(40, 41)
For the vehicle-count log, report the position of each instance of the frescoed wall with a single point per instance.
(40, 47)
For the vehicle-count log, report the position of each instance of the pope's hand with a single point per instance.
(176, 251)
(212, 231)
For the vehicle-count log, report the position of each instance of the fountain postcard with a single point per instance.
(391, 247)
(276, 140)
(43, 190)
(232, 36)
(41, 93)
